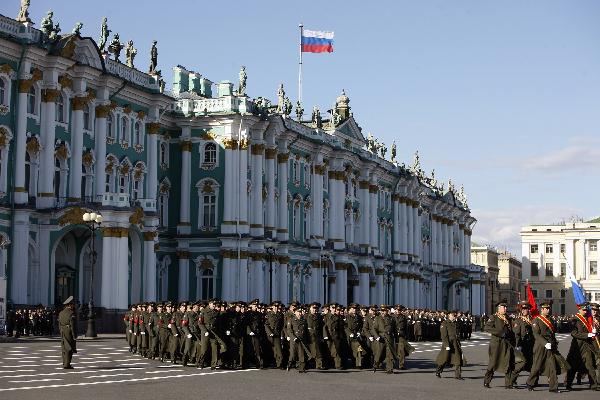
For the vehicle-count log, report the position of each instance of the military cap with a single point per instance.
(315, 304)
(451, 312)
(353, 305)
(242, 304)
(524, 305)
(502, 303)
(69, 300)
(583, 305)
(546, 304)
(400, 307)
(594, 306)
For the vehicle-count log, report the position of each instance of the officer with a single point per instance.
(209, 334)
(581, 353)
(66, 325)
(524, 340)
(273, 330)
(451, 351)
(314, 324)
(353, 327)
(383, 331)
(501, 348)
(254, 330)
(298, 330)
(403, 347)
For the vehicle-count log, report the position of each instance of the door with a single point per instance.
(65, 283)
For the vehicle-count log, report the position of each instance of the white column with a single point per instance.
(396, 228)
(380, 287)
(270, 230)
(282, 177)
(183, 288)
(403, 224)
(257, 223)
(374, 227)
(341, 283)
(47, 128)
(78, 103)
(152, 129)
(184, 226)
(150, 293)
(416, 234)
(284, 282)
(108, 271)
(121, 277)
(411, 230)
(434, 238)
(20, 258)
(365, 210)
(316, 211)
(102, 111)
(397, 288)
(20, 195)
(476, 300)
(363, 285)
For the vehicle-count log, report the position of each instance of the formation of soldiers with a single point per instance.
(38, 321)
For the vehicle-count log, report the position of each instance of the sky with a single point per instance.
(502, 97)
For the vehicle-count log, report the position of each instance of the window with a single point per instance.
(31, 101)
(563, 269)
(60, 108)
(208, 193)
(137, 132)
(534, 292)
(163, 204)
(325, 220)
(124, 130)
(563, 293)
(57, 177)
(295, 171)
(549, 293)
(123, 186)
(533, 249)
(207, 286)
(597, 296)
(549, 248)
(208, 210)
(534, 269)
(549, 269)
(306, 223)
(86, 117)
(563, 309)
(164, 154)
(593, 245)
(563, 248)
(136, 189)
(296, 220)
(3, 92)
(588, 296)
(27, 172)
(307, 175)
(109, 127)
(593, 267)
(210, 154)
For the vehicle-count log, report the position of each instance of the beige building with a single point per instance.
(487, 257)
(509, 275)
(547, 251)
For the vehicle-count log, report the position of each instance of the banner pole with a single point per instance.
(300, 66)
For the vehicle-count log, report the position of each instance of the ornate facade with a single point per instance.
(206, 192)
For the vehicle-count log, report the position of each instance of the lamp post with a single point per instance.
(270, 254)
(92, 221)
(388, 281)
(321, 258)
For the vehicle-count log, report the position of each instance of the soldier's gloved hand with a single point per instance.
(593, 330)
(177, 334)
(189, 336)
(371, 338)
(548, 346)
(591, 335)
(296, 339)
(379, 339)
(143, 333)
(352, 335)
(271, 335)
(205, 333)
(326, 338)
(358, 334)
(518, 348)
(168, 326)
(288, 338)
(228, 333)
(251, 333)
(448, 348)
(130, 331)
(281, 337)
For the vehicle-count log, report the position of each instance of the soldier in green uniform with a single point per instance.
(152, 330)
(596, 314)
(368, 322)
(161, 321)
(273, 330)
(581, 353)
(297, 334)
(524, 340)
(353, 326)
(66, 325)
(186, 334)
(128, 321)
(546, 358)
(383, 331)
(501, 348)
(254, 330)
(209, 335)
(451, 351)
(403, 347)
(332, 334)
(314, 324)
(175, 335)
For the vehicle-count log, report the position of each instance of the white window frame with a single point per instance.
(37, 98)
(88, 120)
(205, 163)
(5, 98)
(216, 188)
(4, 160)
(596, 267)
(125, 129)
(138, 134)
(163, 157)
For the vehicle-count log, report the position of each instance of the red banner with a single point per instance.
(531, 299)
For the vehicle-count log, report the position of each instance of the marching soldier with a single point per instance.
(161, 321)
(501, 349)
(208, 330)
(66, 325)
(127, 323)
(403, 347)
(451, 351)
(546, 358)
(332, 334)
(175, 335)
(186, 321)
(314, 325)
(524, 340)
(353, 328)
(581, 352)
(383, 332)
(273, 329)
(254, 330)
(297, 332)
(368, 322)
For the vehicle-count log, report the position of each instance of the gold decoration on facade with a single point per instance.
(373, 189)
(137, 217)
(319, 169)
(244, 143)
(186, 145)
(109, 168)
(72, 216)
(164, 188)
(149, 236)
(207, 264)
(65, 81)
(91, 94)
(124, 169)
(50, 95)
(87, 158)
(208, 135)
(5, 68)
(25, 85)
(33, 146)
(113, 105)
(270, 153)
(283, 158)
(36, 74)
(102, 111)
(127, 109)
(257, 149)
(68, 50)
(115, 231)
(141, 114)
(137, 174)
(207, 188)
(152, 128)
(79, 103)
(61, 152)
(3, 137)
(182, 254)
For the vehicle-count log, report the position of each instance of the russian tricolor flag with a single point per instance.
(317, 41)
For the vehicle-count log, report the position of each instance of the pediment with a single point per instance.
(349, 129)
(83, 50)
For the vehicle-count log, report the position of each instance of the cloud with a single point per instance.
(501, 227)
(579, 154)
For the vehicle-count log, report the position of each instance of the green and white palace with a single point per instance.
(205, 191)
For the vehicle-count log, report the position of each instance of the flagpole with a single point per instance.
(300, 66)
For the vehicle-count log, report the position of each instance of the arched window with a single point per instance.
(3, 92)
(137, 133)
(56, 177)
(138, 181)
(124, 133)
(307, 175)
(325, 220)
(110, 173)
(86, 117)
(124, 178)
(60, 108)
(296, 220)
(31, 101)
(163, 207)
(164, 154)
(209, 207)
(109, 127)
(207, 286)
(306, 222)
(210, 153)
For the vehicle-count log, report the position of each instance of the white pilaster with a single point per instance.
(20, 258)
(78, 103)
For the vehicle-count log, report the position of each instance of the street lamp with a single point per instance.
(324, 257)
(270, 254)
(388, 281)
(92, 221)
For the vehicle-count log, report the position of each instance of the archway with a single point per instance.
(65, 265)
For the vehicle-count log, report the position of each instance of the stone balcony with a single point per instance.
(224, 105)
(115, 200)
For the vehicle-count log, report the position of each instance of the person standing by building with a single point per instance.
(66, 325)
(546, 358)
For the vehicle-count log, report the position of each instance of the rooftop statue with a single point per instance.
(48, 28)
(130, 53)
(383, 150)
(280, 99)
(299, 110)
(450, 186)
(416, 162)
(153, 58)
(104, 32)
(243, 78)
(370, 142)
(24, 12)
(316, 117)
(77, 29)
(287, 107)
(115, 47)
(393, 152)
(433, 181)
(54, 35)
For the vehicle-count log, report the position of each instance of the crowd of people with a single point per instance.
(242, 335)
(34, 321)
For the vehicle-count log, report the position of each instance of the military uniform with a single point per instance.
(298, 330)
(353, 328)
(208, 327)
(451, 351)
(383, 332)
(66, 325)
(273, 330)
(332, 334)
(581, 353)
(524, 341)
(501, 348)
(404, 348)
(314, 325)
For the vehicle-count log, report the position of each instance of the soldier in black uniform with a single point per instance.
(314, 324)
(254, 330)
(273, 331)
(297, 331)
(524, 340)
(353, 328)
(383, 330)
(403, 347)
